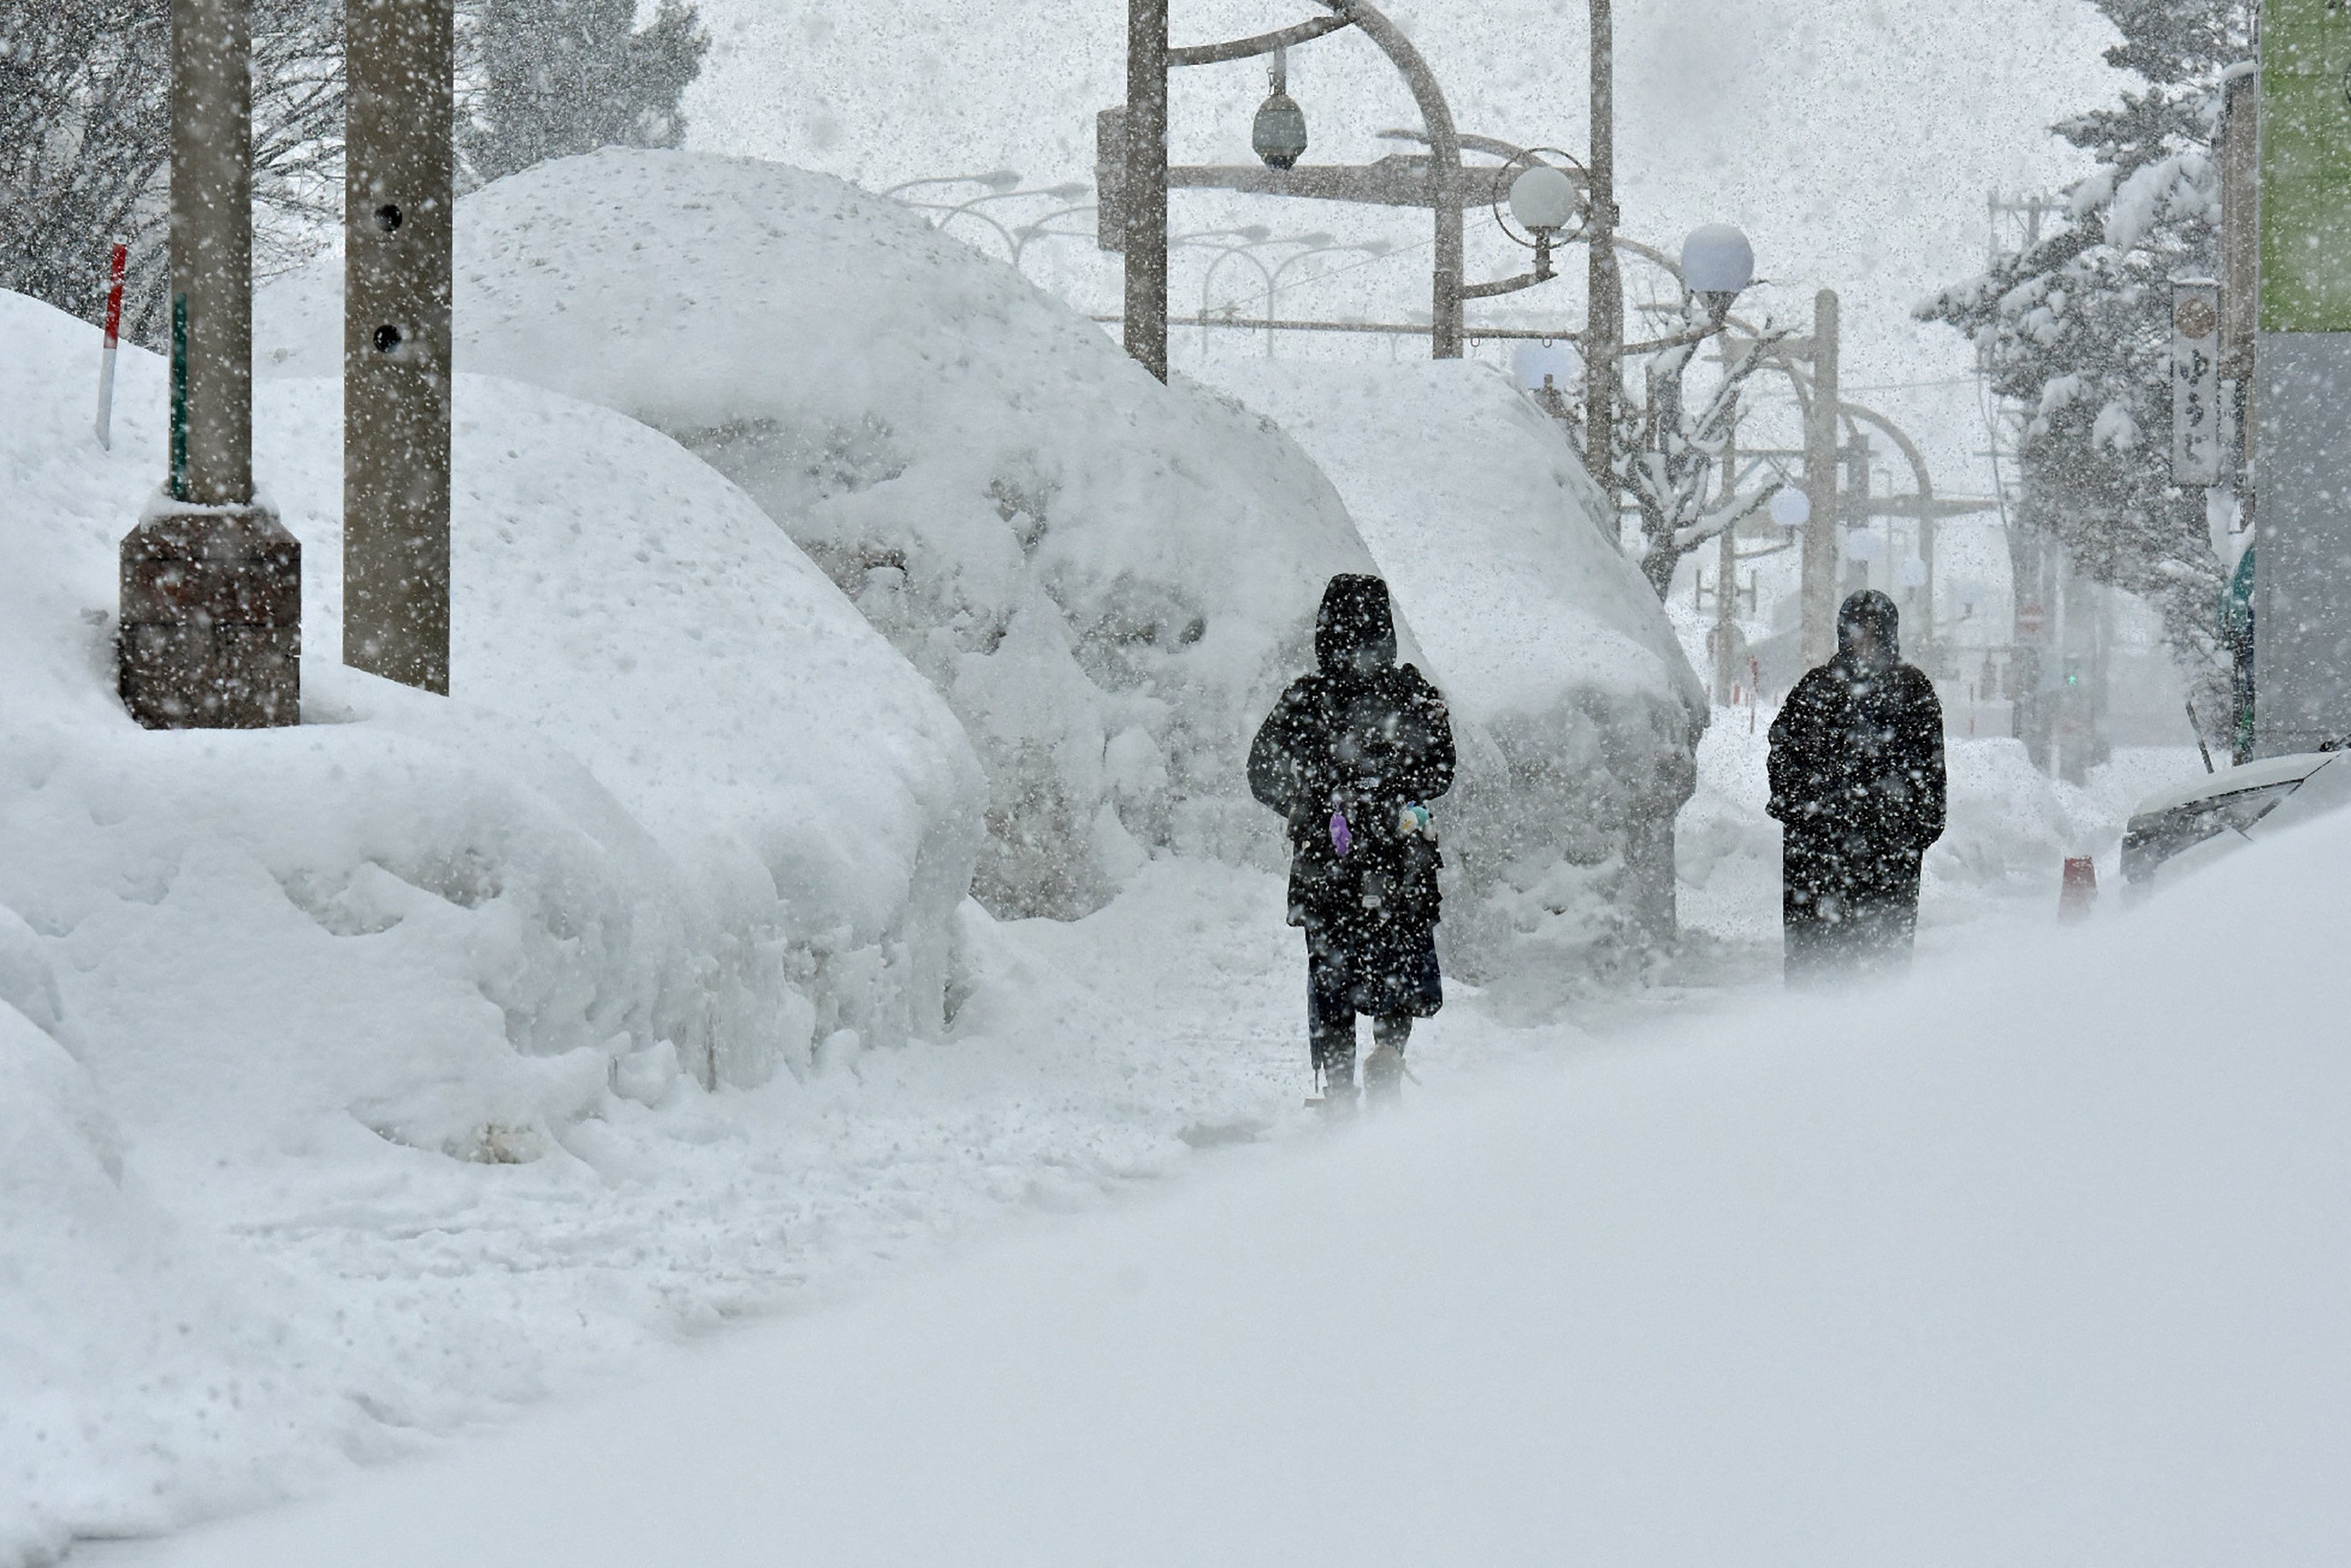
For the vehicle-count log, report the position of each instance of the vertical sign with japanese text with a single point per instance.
(2195, 383)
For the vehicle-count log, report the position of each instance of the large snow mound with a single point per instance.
(682, 696)
(1548, 643)
(686, 811)
(1108, 578)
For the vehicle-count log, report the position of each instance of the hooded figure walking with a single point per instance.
(1857, 783)
(1351, 757)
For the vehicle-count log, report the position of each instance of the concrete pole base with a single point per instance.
(211, 619)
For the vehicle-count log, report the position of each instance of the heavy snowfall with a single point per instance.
(815, 1050)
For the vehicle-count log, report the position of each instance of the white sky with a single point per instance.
(1854, 142)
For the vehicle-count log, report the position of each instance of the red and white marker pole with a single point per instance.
(113, 336)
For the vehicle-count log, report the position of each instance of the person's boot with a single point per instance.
(1333, 1046)
(1383, 1068)
(1339, 1091)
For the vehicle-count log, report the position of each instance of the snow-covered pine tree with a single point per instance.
(2078, 328)
(547, 78)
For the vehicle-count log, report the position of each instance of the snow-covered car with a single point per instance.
(2182, 829)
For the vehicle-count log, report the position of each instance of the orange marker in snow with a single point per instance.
(2079, 892)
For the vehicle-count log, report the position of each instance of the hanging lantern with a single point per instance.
(1278, 136)
(1280, 133)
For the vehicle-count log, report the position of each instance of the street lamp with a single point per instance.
(1791, 507)
(1251, 236)
(1317, 245)
(1134, 174)
(1543, 200)
(1042, 229)
(1069, 190)
(1246, 252)
(1718, 265)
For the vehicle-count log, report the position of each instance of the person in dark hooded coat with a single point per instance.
(1857, 783)
(1351, 755)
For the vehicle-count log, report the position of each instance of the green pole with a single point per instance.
(179, 397)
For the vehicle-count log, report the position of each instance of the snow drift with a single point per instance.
(685, 813)
(2037, 1259)
(647, 772)
(1561, 667)
(1108, 578)
(128, 1355)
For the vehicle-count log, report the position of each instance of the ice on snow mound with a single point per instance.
(1546, 639)
(1109, 578)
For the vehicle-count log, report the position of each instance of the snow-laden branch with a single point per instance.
(1728, 516)
(2186, 185)
(1668, 460)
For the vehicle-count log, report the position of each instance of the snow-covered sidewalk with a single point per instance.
(2036, 1258)
(413, 1298)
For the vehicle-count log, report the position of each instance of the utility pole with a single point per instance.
(1726, 577)
(1604, 325)
(1820, 553)
(1144, 195)
(2240, 271)
(1930, 656)
(398, 209)
(212, 583)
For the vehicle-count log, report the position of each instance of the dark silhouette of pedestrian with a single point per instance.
(1351, 757)
(1857, 783)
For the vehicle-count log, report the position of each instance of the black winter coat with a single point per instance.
(1856, 770)
(1359, 740)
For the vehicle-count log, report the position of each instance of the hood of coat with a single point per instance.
(1871, 609)
(1355, 632)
